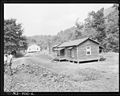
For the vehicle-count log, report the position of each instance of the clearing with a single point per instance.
(36, 72)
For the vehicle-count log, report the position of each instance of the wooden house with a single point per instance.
(84, 49)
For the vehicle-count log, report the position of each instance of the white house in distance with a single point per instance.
(33, 48)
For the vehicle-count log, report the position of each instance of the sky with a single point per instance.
(49, 19)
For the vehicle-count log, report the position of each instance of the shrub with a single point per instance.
(19, 54)
(102, 58)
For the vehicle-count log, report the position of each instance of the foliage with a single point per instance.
(104, 29)
(102, 58)
(101, 26)
(13, 38)
(19, 54)
(112, 31)
(78, 31)
(98, 23)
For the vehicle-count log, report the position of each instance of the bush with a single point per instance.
(102, 58)
(19, 54)
(55, 59)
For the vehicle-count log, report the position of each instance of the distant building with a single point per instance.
(78, 50)
(33, 48)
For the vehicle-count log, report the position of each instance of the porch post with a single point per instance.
(65, 53)
(77, 56)
(59, 52)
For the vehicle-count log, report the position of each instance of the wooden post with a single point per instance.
(77, 55)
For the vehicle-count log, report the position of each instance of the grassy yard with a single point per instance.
(37, 72)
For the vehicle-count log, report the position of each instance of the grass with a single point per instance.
(37, 73)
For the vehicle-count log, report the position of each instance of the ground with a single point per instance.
(37, 72)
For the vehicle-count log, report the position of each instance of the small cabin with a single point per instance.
(33, 48)
(84, 49)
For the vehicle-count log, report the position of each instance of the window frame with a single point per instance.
(88, 50)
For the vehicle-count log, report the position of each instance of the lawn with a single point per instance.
(37, 72)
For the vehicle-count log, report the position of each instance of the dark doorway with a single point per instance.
(62, 52)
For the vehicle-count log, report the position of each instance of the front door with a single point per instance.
(62, 52)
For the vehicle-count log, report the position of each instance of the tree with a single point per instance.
(13, 38)
(23, 43)
(116, 6)
(34, 41)
(89, 31)
(112, 30)
(78, 31)
(98, 23)
(106, 28)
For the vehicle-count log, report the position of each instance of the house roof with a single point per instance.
(69, 47)
(75, 42)
(58, 48)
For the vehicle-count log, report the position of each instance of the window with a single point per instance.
(88, 50)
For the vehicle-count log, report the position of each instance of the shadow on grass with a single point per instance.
(19, 55)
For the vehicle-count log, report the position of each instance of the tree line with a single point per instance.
(98, 26)
(104, 29)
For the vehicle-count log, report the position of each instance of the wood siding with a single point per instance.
(79, 52)
(68, 53)
(74, 50)
(82, 50)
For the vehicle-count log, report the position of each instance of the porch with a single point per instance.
(62, 58)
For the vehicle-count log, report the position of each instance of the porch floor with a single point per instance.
(76, 60)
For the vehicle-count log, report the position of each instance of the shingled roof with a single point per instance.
(75, 42)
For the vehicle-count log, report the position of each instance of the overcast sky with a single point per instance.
(48, 19)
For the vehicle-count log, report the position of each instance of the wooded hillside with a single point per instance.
(102, 26)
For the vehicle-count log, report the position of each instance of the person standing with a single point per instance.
(5, 61)
(9, 63)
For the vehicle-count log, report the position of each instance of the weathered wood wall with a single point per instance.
(79, 52)
(82, 50)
